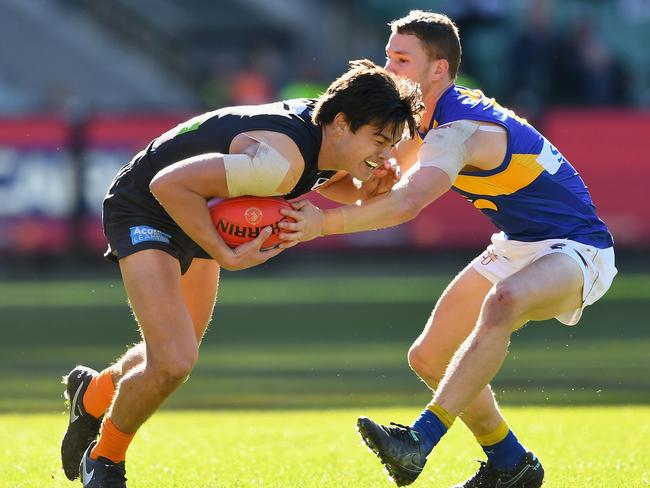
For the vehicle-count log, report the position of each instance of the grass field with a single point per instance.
(288, 365)
(307, 342)
(320, 449)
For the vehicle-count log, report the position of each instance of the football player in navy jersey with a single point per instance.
(157, 223)
(552, 258)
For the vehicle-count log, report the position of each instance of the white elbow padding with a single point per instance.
(258, 176)
(444, 147)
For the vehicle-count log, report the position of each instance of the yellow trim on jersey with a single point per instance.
(521, 172)
(482, 203)
(478, 95)
(494, 437)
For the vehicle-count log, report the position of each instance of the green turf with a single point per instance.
(252, 291)
(313, 354)
(342, 348)
(579, 447)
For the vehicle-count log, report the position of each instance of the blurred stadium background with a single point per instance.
(83, 85)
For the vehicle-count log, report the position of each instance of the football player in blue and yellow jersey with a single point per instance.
(552, 257)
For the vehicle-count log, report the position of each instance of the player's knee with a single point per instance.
(415, 359)
(425, 365)
(502, 305)
(175, 367)
(180, 367)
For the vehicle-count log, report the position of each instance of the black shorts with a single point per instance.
(130, 228)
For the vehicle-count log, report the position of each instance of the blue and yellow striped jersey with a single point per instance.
(535, 193)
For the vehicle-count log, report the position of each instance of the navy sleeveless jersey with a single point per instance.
(213, 132)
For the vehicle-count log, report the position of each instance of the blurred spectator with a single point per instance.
(215, 89)
(587, 71)
(532, 53)
(474, 19)
(577, 68)
(306, 82)
(250, 87)
(231, 82)
(255, 83)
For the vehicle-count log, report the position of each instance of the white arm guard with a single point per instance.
(444, 147)
(258, 176)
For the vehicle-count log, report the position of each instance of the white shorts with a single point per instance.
(505, 257)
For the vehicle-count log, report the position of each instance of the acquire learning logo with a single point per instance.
(144, 233)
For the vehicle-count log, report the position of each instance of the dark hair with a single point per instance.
(368, 94)
(438, 34)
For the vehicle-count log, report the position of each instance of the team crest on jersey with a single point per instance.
(253, 215)
(144, 233)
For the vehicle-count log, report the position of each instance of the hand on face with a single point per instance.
(308, 223)
(382, 179)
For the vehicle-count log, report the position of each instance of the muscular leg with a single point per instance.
(199, 285)
(192, 298)
(452, 320)
(153, 283)
(545, 288)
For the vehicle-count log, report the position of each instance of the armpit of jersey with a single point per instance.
(444, 147)
(259, 176)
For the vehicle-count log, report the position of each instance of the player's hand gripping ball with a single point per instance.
(239, 220)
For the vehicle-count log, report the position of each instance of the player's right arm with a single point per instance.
(417, 189)
(184, 188)
(444, 152)
(406, 153)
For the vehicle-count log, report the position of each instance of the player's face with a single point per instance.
(365, 150)
(406, 57)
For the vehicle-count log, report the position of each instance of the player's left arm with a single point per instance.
(441, 157)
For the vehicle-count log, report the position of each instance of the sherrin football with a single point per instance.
(239, 220)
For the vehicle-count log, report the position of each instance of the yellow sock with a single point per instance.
(112, 444)
(503, 449)
(99, 394)
(495, 437)
(445, 417)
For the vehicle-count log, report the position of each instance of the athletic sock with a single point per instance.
(504, 452)
(432, 424)
(112, 443)
(99, 394)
